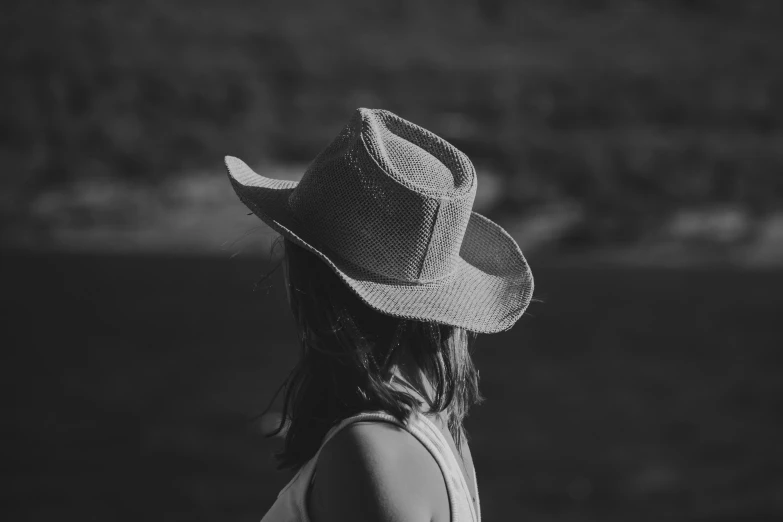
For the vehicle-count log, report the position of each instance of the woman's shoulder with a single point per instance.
(377, 471)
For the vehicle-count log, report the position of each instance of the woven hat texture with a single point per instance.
(388, 206)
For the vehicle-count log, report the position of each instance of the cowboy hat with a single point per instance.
(388, 207)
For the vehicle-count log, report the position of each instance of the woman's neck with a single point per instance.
(408, 372)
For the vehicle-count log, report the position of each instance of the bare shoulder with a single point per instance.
(377, 471)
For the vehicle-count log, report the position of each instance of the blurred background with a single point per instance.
(633, 148)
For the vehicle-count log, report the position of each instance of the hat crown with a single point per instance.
(389, 197)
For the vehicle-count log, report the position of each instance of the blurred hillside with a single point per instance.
(631, 110)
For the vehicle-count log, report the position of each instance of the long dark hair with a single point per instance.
(347, 355)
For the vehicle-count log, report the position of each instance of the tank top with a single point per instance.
(291, 503)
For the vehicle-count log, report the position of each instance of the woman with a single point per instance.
(388, 272)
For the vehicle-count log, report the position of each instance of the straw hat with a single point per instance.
(387, 205)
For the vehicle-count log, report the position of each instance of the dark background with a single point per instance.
(645, 384)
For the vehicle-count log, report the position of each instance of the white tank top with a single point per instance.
(291, 505)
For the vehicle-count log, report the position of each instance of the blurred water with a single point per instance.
(633, 394)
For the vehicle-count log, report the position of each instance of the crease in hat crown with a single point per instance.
(388, 197)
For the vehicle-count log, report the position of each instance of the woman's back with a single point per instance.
(371, 467)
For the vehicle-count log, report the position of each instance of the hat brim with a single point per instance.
(487, 293)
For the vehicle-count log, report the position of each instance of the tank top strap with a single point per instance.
(447, 461)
